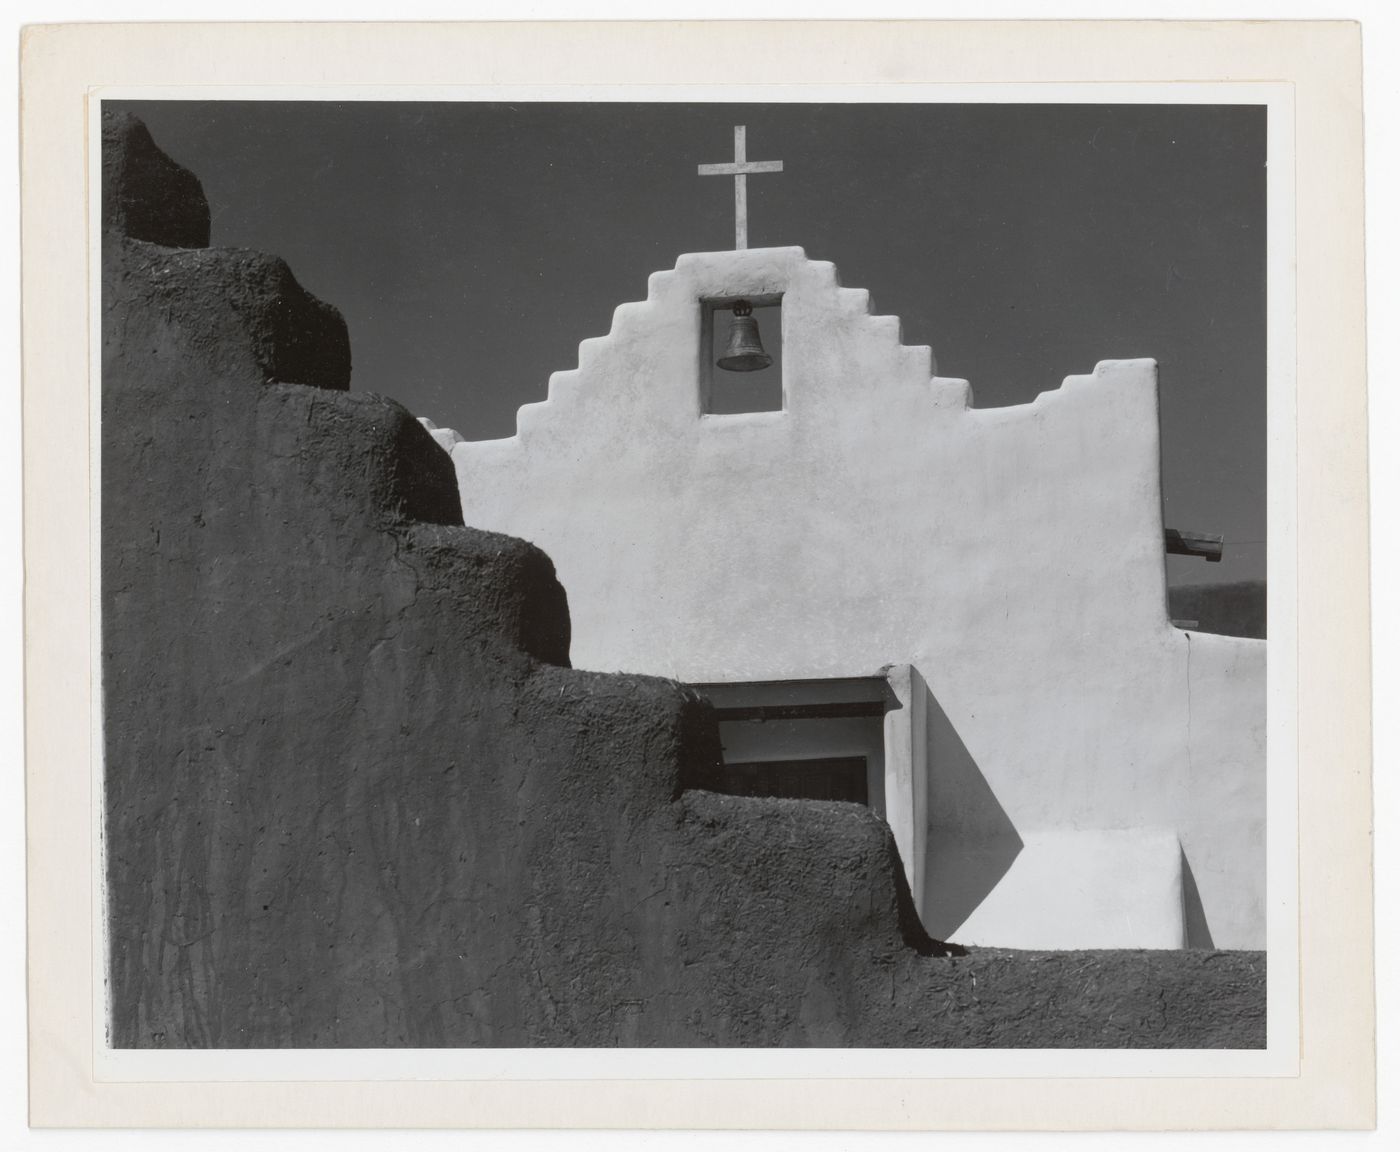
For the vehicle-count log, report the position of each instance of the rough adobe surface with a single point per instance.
(145, 194)
(355, 796)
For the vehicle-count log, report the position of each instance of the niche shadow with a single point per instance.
(971, 841)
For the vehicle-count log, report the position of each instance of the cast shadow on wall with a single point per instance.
(971, 840)
(1193, 913)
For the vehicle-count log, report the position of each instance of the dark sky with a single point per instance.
(471, 246)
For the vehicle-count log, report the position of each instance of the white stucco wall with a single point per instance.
(447, 438)
(1013, 556)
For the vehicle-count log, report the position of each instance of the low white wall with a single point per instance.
(1119, 888)
(1014, 556)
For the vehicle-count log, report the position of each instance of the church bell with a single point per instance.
(744, 352)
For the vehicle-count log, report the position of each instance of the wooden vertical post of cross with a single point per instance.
(740, 170)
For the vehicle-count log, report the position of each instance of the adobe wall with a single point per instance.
(1013, 556)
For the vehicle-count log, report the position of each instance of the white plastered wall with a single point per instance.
(1013, 557)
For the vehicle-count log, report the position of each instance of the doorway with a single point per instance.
(817, 778)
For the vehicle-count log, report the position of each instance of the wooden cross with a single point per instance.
(740, 170)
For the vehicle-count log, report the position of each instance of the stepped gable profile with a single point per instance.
(355, 796)
(1070, 769)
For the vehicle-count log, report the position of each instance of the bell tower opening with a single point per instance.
(741, 360)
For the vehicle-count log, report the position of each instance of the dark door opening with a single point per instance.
(824, 778)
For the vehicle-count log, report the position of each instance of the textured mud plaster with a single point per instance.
(355, 797)
(1014, 557)
(145, 194)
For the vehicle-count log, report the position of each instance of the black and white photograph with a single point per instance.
(766, 576)
(545, 602)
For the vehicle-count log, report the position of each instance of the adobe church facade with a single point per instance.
(969, 602)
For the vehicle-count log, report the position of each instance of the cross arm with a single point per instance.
(741, 169)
